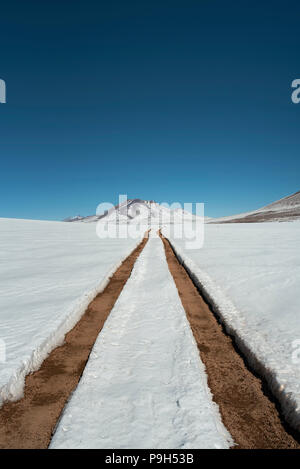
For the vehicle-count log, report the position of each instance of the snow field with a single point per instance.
(50, 272)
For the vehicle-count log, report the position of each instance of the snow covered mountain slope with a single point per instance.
(138, 211)
(286, 209)
(49, 273)
(144, 385)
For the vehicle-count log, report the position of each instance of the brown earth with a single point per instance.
(29, 422)
(247, 412)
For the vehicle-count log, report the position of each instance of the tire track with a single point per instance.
(29, 423)
(144, 385)
(248, 413)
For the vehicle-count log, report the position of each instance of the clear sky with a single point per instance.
(185, 101)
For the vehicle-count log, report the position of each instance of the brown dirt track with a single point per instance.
(249, 415)
(29, 422)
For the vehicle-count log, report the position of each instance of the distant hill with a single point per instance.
(286, 209)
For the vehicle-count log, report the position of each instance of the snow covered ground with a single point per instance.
(144, 385)
(251, 273)
(49, 273)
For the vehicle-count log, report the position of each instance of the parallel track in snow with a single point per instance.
(144, 385)
(142, 382)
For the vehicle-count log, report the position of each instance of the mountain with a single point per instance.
(286, 209)
(149, 211)
(138, 211)
(76, 218)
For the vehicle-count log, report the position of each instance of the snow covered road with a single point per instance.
(144, 385)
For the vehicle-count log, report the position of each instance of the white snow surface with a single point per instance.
(144, 385)
(251, 275)
(49, 273)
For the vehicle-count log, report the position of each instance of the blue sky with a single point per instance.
(185, 101)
